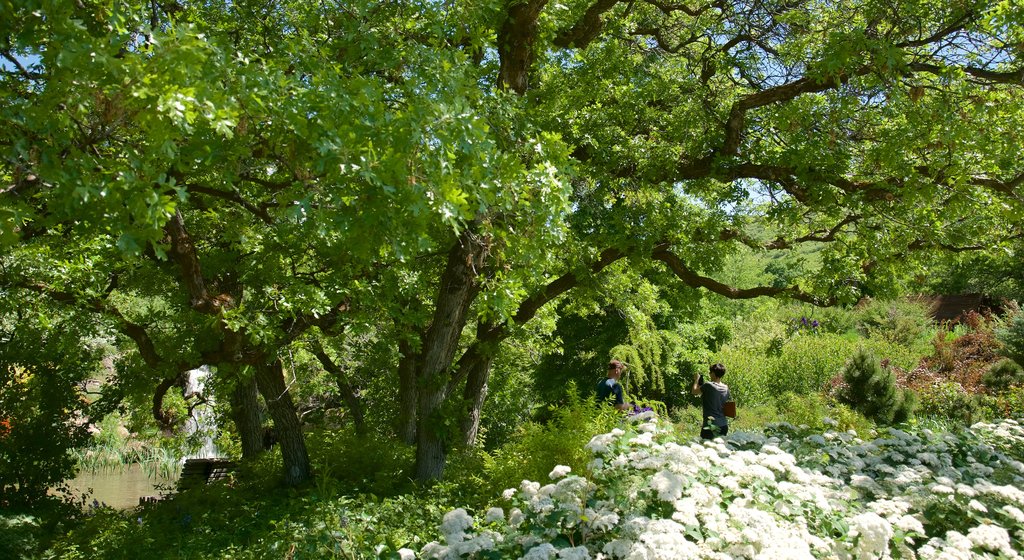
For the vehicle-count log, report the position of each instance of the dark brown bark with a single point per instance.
(455, 294)
(587, 28)
(407, 393)
(692, 279)
(475, 393)
(271, 384)
(245, 411)
(515, 44)
(349, 392)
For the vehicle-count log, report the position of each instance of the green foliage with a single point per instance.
(1012, 337)
(900, 322)
(951, 401)
(807, 362)
(351, 463)
(817, 414)
(871, 390)
(18, 536)
(1002, 375)
(748, 374)
(41, 363)
(560, 441)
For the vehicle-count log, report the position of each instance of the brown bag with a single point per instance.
(729, 408)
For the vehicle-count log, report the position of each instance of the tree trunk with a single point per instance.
(271, 384)
(455, 294)
(245, 411)
(349, 393)
(407, 393)
(474, 395)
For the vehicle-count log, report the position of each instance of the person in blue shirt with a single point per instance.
(609, 390)
(713, 396)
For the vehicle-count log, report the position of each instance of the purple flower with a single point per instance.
(814, 323)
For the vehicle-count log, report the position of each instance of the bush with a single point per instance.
(370, 464)
(871, 390)
(948, 400)
(898, 321)
(558, 442)
(818, 415)
(1003, 375)
(746, 375)
(1012, 337)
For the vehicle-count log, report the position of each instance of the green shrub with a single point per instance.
(746, 375)
(1012, 337)
(901, 322)
(18, 535)
(871, 390)
(1002, 375)
(807, 363)
(815, 412)
(358, 464)
(539, 447)
(948, 400)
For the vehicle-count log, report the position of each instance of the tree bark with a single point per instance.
(349, 393)
(407, 393)
(245, 411)
(271, 384)
(474, 394)
(455, 294)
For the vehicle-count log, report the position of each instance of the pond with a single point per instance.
(118, 489)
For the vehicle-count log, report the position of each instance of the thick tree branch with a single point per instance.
(183, 252)
(587, 28)
(515, 44)
(957, 25)
(234, 196)
(669, 8)
(694, 280)
(1014, 78)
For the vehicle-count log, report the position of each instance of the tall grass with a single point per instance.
(155, 461)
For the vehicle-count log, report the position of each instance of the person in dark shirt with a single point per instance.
(713, 396)
(609, 390)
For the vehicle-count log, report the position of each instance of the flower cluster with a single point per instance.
(783, 494)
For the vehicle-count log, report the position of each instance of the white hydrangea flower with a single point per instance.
(668, 485)
(600, 443)
(574, 553)
(644, 439)
(516, 517)
(909, 524)
(992, 538)
(1014, 513)
(494, 515)
(529, 488)
(601, 520)
(559, 471)
(406, 554)
(543, 551)
(872, 533)
(454, 524)
(618, 548)
(434, 550)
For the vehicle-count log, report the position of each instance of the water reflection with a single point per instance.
(120, 490)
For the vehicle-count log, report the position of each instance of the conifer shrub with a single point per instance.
(1012, 337)
(1002, 375)
(871, 390)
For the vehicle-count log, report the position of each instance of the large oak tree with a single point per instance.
(495, 156)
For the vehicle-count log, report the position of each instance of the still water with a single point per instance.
(120, 490)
